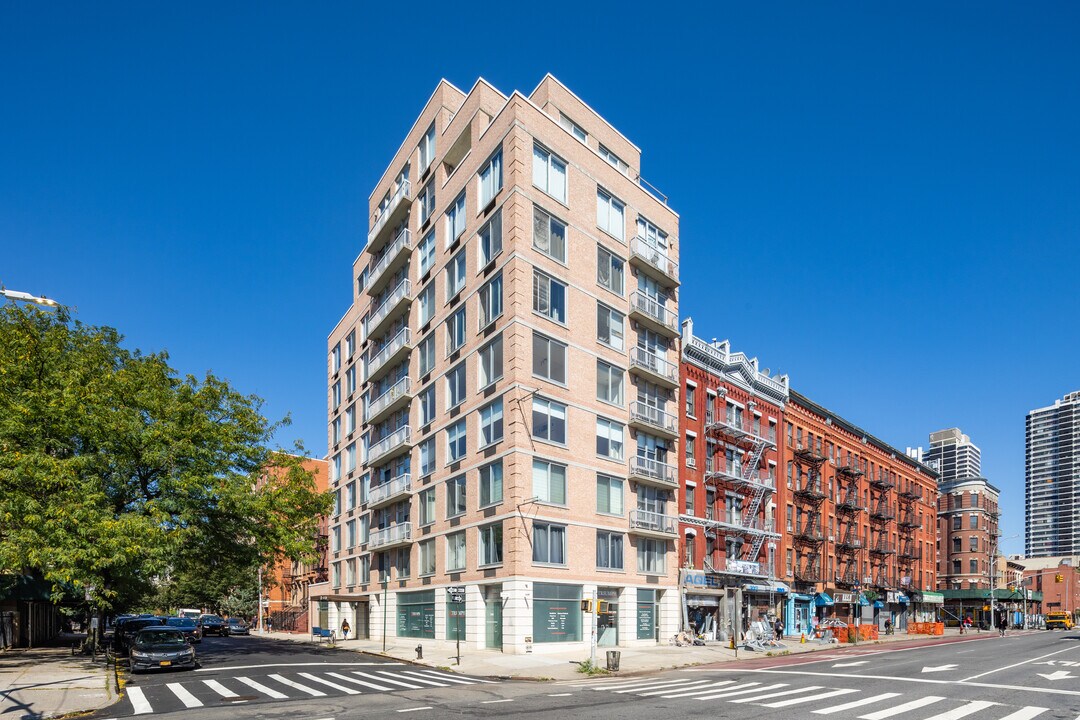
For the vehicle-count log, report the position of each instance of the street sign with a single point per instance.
(456, 593)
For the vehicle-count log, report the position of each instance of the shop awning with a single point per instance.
(802, 598)
(904, 599)
(931, 597)
(879, 604)
(758, 588)
(822, 600)
(863, 600)
(779, 587)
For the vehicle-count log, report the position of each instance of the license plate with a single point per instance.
(166, 663)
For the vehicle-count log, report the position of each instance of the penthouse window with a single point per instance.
(491, 179)
(610, 215)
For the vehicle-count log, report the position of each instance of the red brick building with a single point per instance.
(858, 522)
(727, 475)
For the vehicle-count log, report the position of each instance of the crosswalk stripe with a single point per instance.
(964, 710)
(185, 695)
(220, 689)
(756, 698)
(651, 685)
(262, 688)
(138, 701)
(856, 703)
(388, 680)
(728, 693)
(302, 688)
(797, 701)
(1025, 713)
(436, 673)
(342, 688)
(696, 683)
(709, 690)
(897, 709)
(366, 684)
(423, 675)
(636, 682)
(419, 680)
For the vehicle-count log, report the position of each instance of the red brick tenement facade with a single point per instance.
(967, 529)
(858, 522)
(733, 412)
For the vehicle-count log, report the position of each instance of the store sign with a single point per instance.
(892, 597)
(844, 597)
(744, 566)
(699, 579)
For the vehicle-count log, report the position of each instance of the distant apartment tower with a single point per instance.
(504, 389)
(733, 412)
(953, 455)
(1052, 488)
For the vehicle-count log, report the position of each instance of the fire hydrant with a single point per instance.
(419, 652)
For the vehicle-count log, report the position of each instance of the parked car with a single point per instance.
(161, 646)
(188, 626)
(1059, 620)
(125, 632)
(238, 627)
(213, 625)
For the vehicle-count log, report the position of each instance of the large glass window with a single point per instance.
(556, 613)
(549, 420)
(549, 234)
(491, 179)
(455, 330)
(455, 275)
(549, 173)
(426, 202)
(491, 423)
(427, 557)
(427, 457)
(609, 215)
(549, 543)
(491, 544)
(427, 506)
(455, 552)
(609, 495)
(426, 300)
(491, 240)
(549, 296)
(549, 358)
(491, 301)
(455, 220)
(491, 484)
(427, 253)
(491, 362)
(455, 386)
(610, 270)
(609, 550)
(651, 555)
(416, 614)
(609, 439)
(427, 405)
(426, 355)
(427, 148)
(455, 441)
(455, 496)
(609, 326)
(609, 383)
(549, 482)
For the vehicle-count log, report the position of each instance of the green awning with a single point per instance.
(929, 596)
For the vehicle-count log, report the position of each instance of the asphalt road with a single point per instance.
(981, 677)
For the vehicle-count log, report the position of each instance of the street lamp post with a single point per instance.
(27, 297)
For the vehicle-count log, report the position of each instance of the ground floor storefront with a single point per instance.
(513, 616)
(713, 603)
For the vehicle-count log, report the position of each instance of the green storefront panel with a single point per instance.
(455, 620)
(416, 614)
(556, 613)
(646, 614)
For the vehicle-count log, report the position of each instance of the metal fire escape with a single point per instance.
(849, 544)
(882, 513)
(907, 524)
(809, 495)
(743, 474)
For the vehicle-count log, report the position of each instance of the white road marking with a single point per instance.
(694, 684)
(855, 703)
(342, 688)
(1056, 675)
(436, 673)
(492, 702)
(138, 701)
(381, 679)
(650, 685)
(302, 688)
(851, 664)
(756, 698)
(819, 696)
(964, 710)
(429, 676)
(220, 689)
(185, 695)
(728, 693)
(1025, 713)
(346, 678)
(425, 707)
(419, 680)
(262, 688)
(707, 689)
(560, 694)
(939, 668)
(318, 664)
(898, 709)
(1025, 662)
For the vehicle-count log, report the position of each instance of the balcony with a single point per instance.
(394, 211)
(392, 445)
(737, 428)
(389, 353)
(653, 315)
(653, 472)
(397, 396)
(653, 261)
(653, 368)
(719, 468)
(399, 298)
(388, 492)
(392, 260)
(646, 417)
(400, 534)
(744, 525)
(651, 524)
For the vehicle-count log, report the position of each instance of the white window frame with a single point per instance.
(610, 377)
(615, 329)
(491, 423)
(615, 435)
(543, 221)
(573, 128)
(427, 253)
(427, 447)
(426, 149)
(547, 167)
(426, 301)
(427, 557)
(486, 534)
(556, 413)
(455, 220)
(489, 239)
(426, 499)
(545, 291)
(456, 547)
(457, 433)
(547, 486)
(546, 530)
(611, 260)
(606, 485)
(426, 201)
(611, 214)
(490, 179)
(616, 561)
(491, 301)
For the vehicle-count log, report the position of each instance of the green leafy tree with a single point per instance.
(117, 474)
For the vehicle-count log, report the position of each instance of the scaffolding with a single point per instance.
(849, 546)
(809, 495)
(742, 473)
(882, 514)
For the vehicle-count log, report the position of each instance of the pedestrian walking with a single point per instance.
(345, 629)
(269, 624)
(779, 628)
(1002, 624)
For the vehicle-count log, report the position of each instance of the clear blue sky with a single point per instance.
(883, 203)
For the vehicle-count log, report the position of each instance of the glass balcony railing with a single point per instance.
(402, 292)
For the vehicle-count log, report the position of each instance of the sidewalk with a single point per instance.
(47, 682)
(563, 665)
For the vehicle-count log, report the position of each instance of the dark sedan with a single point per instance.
(213, 625)
(125, 632)
(238, 627)
(189, 627)
(160, 646)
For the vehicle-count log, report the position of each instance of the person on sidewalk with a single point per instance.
(269, 624)
(779, 629)
(1002, 624)
(345, 629)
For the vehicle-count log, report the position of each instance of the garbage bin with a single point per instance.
(613, 657)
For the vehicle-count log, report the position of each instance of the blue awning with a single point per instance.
(757, 588)
(801, 597)
(823, 599)
(879, 604)
(863, 600)
(904, 599)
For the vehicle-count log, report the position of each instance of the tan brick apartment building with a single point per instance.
(503, 389)
(858, 522)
